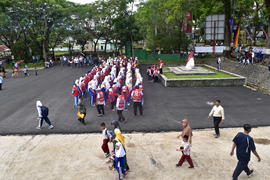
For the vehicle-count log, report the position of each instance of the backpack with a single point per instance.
(109, 134)
(44, 111)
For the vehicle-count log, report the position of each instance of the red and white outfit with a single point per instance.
(186, 155)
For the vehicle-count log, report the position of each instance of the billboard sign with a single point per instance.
(215, 27)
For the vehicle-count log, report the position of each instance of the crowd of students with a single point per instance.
(116, 82)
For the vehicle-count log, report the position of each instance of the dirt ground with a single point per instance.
(151, 156)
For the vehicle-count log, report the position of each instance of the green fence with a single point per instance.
(144, 55)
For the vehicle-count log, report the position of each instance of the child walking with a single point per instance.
(106, 139)
(185, 148)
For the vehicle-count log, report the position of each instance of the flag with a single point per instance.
(236, 38)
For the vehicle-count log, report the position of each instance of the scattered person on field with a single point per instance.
(149, 73)
(25, 71)
(43, 113)
(81, 113)
(217, 113)
(244, 144)
(1, 82)
(155, 74)
(107, 136)
(75, 94)
(219, 63)
(185, 149)
(187, 131)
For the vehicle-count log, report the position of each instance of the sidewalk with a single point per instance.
(151, 156)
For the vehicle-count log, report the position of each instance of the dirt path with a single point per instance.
(151, 156)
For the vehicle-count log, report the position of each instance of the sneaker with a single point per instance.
(99, 115)
(39, 128)
(250, 173)
(191, 167)
(217, 136)
(177, 165)
(51, 127)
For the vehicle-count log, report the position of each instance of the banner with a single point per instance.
(236, 39)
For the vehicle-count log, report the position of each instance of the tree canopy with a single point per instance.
(33, 27)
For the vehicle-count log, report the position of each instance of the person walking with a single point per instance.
(43, 113)
(244, 145)
(185, 148)
(81, 113)
(217, 113)
(100, 102)
(75, 94)
(119, 160)
(107, 137)
(1, 82)
(219, 64)
(160, 65)
(120, 106)
(137, 99)
(187, 131)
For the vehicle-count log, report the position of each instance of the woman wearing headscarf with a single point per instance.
(186, 130)
(119, 138)
(43, 112)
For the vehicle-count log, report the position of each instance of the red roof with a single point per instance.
(3, 48)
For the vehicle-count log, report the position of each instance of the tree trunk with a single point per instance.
(105, 48)
(228, 33)
(44, 51)
(95, 47)
(82, 48)
(53, 53)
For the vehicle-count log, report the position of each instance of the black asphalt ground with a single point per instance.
(163, 110)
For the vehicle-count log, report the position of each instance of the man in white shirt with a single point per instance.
(217, 113)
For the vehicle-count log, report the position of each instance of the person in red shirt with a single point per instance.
(75, 94)
(83, 89)
(112, 99)
(125, 92)
(161, 64)
(100, 102)
(155, 74)
(120, 106)
(137, 95)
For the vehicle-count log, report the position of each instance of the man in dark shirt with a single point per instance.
(244, 145)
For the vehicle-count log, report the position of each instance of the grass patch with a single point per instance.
(171, 75)
(30, 65)
(59, 53)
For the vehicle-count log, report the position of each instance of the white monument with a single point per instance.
(190, 62)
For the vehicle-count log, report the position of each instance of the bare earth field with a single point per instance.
(151, 156)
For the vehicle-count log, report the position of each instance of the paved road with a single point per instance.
(164, 107)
